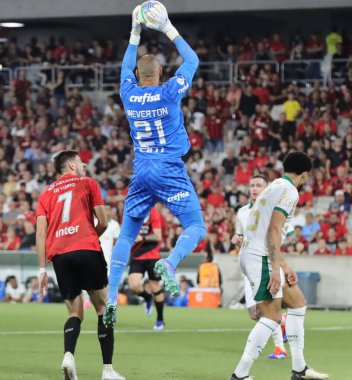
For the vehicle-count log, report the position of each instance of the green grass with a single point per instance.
(180, 354)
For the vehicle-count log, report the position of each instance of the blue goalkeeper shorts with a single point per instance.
(160, 180)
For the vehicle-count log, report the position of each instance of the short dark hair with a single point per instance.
(61, 159)
(297, 163)
(260, 176)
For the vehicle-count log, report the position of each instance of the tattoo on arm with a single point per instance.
(271, 250)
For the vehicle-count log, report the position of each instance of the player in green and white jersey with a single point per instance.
(271, 278)
(256, 185)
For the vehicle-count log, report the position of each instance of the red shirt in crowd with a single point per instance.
(304, 198)
(324, 253)
(347, 252)
(215, 127)
(145, 249)
(216, 200)
(323, 128)
(341, 231)
(243, 175)
(68, 205)
(196, 140)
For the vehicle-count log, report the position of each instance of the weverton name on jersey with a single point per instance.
(143, 114)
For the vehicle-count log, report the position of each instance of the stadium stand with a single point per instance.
(280, 99)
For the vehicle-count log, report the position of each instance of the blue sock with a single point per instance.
(121, 252)
(119, 261)
(186, 244)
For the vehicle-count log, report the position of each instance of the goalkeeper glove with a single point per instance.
(136, 27)
(161, 22)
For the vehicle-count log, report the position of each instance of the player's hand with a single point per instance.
(43, 285)
(158, 17)
(136, 26)
(291, 276)
(139, 238)
(237, 240)
(275, 281)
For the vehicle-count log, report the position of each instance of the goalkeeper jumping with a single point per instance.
(160, 140)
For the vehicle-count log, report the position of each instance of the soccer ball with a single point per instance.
(152, 13)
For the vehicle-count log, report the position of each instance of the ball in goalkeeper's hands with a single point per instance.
(152, 14)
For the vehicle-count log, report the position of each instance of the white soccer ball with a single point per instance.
(152, 13)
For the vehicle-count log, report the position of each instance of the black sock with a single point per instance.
(160, 310)
(145, 295)
(106, 339)
(72, 329)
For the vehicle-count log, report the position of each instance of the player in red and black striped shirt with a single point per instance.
(66, 235)
(144, 254)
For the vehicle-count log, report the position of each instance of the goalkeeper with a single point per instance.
(160, 140)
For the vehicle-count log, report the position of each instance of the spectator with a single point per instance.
(322, 248)
(28, 237)
(182, 299)
(14, 292)
(209, 275)
(343, 249)
(333, 223)
(331, 241)
(32, 293)
(311, 229)
(298, 219)
(332, 39)
(229, 164)
(292, 109)
(10, 241)
(340, 203)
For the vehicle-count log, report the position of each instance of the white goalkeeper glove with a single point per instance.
(136, 27)
(158, 20)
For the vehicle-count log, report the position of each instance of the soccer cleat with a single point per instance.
(234, 377)
(148, 305)
(308, 374)
(159, 325)
(109, 316)
(68, 367)
(168, 274)
(112, 375)
(278, 354)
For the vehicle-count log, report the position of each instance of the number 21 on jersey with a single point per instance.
(144, 136)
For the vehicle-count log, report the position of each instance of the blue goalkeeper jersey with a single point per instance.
(154, 112)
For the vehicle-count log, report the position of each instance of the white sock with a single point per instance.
(107, 368)
(295, 336)
(278, 339)
(256, 342)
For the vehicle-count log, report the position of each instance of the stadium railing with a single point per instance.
(104, 76)
(245, 64)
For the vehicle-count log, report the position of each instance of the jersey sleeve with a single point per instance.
(95, 194)
(40, 208)
(128, 79)
(178, 85)
(287, 201)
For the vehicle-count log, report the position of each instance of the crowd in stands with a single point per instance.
(235, 131)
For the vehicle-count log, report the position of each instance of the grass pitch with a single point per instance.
(197, 344)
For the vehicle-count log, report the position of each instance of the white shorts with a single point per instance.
(248, 294)
(257, 270)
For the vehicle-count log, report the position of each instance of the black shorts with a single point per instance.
(142, 266)
(79, 270)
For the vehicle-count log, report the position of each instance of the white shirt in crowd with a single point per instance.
(15, 293)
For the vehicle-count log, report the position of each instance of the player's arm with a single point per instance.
(190, 58)
(274, 238)
(237, 239)
(290, 274)
(130, 57)
(154, 237)
(42, 229)
(101, 215)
